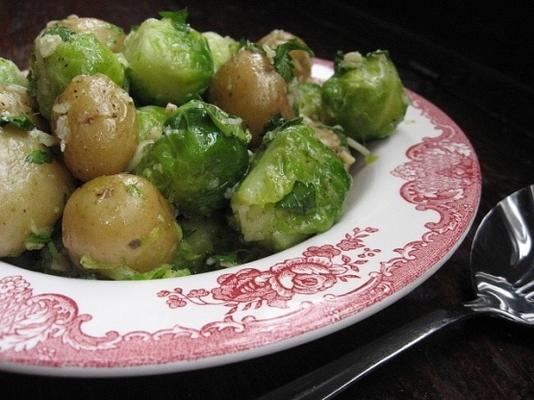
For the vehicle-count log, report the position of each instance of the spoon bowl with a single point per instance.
(502, 259)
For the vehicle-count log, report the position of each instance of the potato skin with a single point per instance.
(301, 59)
(248, 86)
(32, 196)
(120, 220)
(95, 122)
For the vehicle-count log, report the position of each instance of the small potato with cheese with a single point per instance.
(94, 119)
(120, 221)
(33, 190)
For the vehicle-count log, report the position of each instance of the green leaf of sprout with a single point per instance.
(177, 17)
(124, 272)
(18, 121)
(279, 122)
(36, 241)
(300, 200)
(283, 62)
(39, 157)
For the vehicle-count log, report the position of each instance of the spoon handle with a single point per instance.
(332, 378)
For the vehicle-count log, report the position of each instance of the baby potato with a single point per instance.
(301, 59)
(33, 189)
(120, 220)
(248, 86)
(94, 120)
(108, 34)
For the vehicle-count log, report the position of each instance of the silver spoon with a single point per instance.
(502, 270)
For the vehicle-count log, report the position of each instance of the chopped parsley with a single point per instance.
(36, 241)
(18, 121)
(282, 59)
(63, 32)
(133, 190)
(39, 157)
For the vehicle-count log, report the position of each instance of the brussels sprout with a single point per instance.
(202, 238)
(150, 120)
(222, 48)
(249, 87)
(168, 60)
(307, 101)
(108, 34)
(33, 191)
(210, 243)
(296, 188)
(10, 74)
(118, 224)
(301, 57)
(202, 154)
(61, 54)
(365, 96)
(95, 122)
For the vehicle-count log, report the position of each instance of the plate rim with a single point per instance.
(292, 341)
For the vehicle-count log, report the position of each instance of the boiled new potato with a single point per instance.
(249, 87)
(33, 190)
(95, 121)
(120, 220)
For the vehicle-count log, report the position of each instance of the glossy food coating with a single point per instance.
(248, 86)
(33, 190)
(120, 220)
(95, 122)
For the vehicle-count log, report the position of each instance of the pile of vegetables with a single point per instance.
(168, 151)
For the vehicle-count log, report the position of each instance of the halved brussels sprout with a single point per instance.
(365, 96)
(296, 188)
(222, 48)
(108, 34)
(61, 54)
(168, 60)
(118, 225)
(202, 154)
(33, 190)
(10, 74)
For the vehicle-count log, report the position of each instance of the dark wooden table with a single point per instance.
(470, 64)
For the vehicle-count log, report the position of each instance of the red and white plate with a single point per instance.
(406, 214)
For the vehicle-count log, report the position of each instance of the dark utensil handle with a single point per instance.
(331, 379)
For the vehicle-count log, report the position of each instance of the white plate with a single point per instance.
(405, 216)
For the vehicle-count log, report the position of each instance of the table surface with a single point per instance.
(482, 88)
